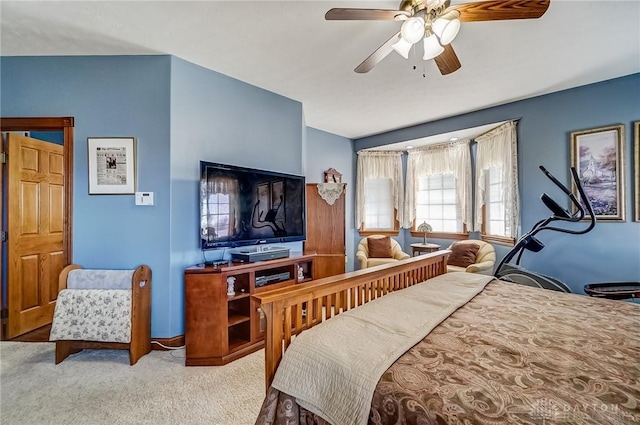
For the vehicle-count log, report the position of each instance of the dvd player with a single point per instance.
(273, 278)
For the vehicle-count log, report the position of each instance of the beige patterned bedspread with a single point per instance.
(513, 355)
(332, 369)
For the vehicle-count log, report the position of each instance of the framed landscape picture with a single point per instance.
(598, 156)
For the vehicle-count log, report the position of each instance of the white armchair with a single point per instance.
(391, 250)
(464, 260)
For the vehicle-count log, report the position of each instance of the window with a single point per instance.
(497, 201)
(436, 203)
(495, 212)
(439, 187)
(379, 211)
(379, 192)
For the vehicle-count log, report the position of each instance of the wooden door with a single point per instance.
(35, 223)
(325, 233)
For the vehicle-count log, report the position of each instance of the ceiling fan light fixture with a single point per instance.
(412, 29)
(402, 47)
(433, 4)
(424, 18)
(432, 47)
(446, 29)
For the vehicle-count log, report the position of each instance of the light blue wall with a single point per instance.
(109, 97)
(611, 252)
(219, 119)
(180, 114)
(324, 151)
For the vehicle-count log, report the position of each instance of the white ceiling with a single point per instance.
(288, 48)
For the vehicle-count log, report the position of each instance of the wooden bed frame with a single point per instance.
(140, 319)
(291, 310)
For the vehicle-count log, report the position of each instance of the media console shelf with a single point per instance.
(220, 328)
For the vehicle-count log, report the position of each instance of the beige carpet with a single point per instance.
(97, 387)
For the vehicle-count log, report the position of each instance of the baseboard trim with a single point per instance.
(173, 342)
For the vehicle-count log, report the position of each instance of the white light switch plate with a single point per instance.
(144, 198)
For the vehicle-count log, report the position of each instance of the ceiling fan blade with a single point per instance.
(447, 61)
(497, 10)
(375, 57)
(342, 14)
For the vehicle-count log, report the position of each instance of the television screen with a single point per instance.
(244, 206)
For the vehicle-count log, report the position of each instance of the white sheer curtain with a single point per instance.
(379, 165)
(498, 149)
(450, 158)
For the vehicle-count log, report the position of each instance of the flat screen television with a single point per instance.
(245, 206)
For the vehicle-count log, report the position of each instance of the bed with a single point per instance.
(509, 354)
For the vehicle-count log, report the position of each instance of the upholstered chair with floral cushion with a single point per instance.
(379, 249)
(99, 308)
(471, 256)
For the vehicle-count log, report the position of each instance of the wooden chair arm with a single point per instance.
(64, 274)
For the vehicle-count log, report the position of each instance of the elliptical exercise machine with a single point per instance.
(513, 272)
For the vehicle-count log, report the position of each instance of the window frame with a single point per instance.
(438, 235)
(500, 240)
(417, 222)
(393, 211)
(463, 181)
(380, 165)
(386, 232)
(486, 236)
(489, 138)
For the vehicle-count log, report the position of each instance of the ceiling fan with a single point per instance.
(436, 23)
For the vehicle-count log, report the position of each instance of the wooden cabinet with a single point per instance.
(220, 328)
(326, 232)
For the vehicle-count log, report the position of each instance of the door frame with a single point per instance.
(65, 125)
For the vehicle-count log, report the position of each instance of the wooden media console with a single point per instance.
(220, 328)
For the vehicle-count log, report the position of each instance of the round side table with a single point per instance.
(419, 248)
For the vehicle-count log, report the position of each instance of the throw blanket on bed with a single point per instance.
(335, 378)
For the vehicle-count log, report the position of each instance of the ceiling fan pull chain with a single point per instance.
(415, 66)
(413, 56)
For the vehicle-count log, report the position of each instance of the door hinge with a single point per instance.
(4, 313)
(3, 157)
(4, 235)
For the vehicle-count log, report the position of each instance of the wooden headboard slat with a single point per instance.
(291, 310)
